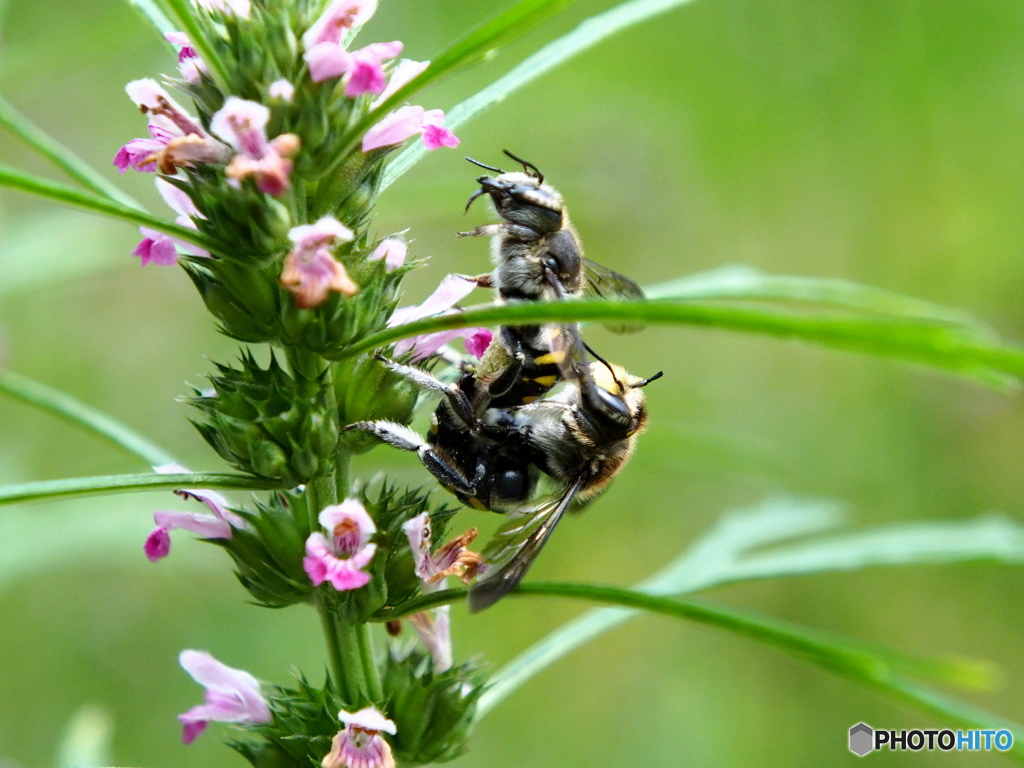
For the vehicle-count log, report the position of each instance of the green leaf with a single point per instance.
(68, 408)
(585, 36)
(87, 739)
(743, 282)
(883, 670)
(723, 556)
(962, 349)
(49, 490)
(51, 149)
(474, 46)
(36, 185)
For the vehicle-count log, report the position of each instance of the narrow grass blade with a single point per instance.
(585, 36)
(472, 47)
(743, 282)
(956, 348)
(71, 487)
(36, 185)
(152, 13)
(48, 147)
(75, 411)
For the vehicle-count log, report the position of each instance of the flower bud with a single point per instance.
(269, 423)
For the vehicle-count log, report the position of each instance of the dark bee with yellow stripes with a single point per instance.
(537, 256)
(576, 441)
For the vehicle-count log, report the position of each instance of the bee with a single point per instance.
(537, 256)
(579, 439)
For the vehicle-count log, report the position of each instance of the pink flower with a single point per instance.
(160, 249)
(454, 558)
(392, 250)
(409, 121)
(339, 16)
(218, 525)
(341, 558)
(404, 72)
(176, 138)
(243, 125)
(190, 65)
(360, 744)
(232, 696)
(453, 289)
(366, 73)
(310, 270)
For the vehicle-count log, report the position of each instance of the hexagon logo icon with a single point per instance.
(862, 739)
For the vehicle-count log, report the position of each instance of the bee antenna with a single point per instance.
(648, 380)
(527, 166)
(605, 363)
(488, 167)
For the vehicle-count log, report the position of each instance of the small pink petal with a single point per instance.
(392, 250)
(158, 544)
(339, 16)
(192, 728)
(327, 61)
(156, 248)
(365, 76)
(207, 526)
(219, 678)
(403, 73)
(477, 343)
(437, 136)
(450, 292)
(394, 128)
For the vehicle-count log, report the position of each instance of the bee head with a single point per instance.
(521, 197)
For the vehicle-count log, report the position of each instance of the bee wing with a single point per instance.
(515, 546)
(608, 284)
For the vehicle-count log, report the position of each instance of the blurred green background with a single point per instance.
(877, 141)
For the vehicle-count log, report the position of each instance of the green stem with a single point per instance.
(61, 193)
(47, 146)
(71, 487)
(335, 657)
(371, 673)
(66, 407)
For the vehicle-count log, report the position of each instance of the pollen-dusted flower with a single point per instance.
(453, 559)
(359, 744)
(243, 125)
(452, 289)
(341, 556)
(310, 270)
(392, 250)
(218, 525)
(176, 138)
(409, 121)
(232, 696)
(160, 249)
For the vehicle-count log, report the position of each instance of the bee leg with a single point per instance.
(405, 439)
(456, 397)
(508, 377)
(484, 230)
(482, 281)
